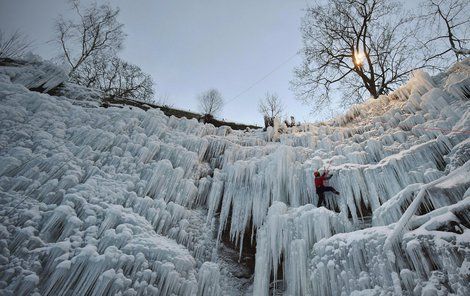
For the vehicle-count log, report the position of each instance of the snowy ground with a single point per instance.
(121, 201)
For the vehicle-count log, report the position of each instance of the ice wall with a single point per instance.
(122, 201)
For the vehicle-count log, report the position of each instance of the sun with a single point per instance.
(358, 58)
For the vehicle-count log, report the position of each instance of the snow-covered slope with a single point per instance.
(119, 201)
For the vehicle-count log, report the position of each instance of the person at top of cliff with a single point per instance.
(321, 188)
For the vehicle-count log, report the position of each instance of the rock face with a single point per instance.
(121, 201)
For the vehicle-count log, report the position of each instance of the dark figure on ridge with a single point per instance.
(321, 188)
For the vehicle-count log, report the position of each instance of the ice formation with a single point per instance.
(121, 201)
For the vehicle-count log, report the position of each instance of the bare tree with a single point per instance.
(210, 102)
(115, 77)
(356, 47)
(96, 32)
(271, 106)
(449, 33)
(89, 46)
(14, 45)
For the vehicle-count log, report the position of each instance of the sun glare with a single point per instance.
(359, 58)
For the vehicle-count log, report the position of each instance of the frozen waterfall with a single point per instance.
(122, 201)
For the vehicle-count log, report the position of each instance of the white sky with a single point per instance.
(190, 46)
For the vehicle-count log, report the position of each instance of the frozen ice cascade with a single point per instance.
(122, 201)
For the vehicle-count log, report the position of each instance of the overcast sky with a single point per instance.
(191, 46)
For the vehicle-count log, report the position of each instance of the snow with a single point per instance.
(121, 201)
(35, 74)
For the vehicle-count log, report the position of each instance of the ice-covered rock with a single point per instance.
(33, 73)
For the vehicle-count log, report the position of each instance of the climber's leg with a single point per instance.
(321, 196)
(331, 189)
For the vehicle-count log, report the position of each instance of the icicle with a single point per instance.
(208, 278)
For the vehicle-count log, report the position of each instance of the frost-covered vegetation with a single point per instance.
(122, 201)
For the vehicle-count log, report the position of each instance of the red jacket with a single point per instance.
(320, 181)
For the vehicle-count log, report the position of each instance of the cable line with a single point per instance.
(262, 78)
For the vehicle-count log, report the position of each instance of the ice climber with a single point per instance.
(321, 188)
